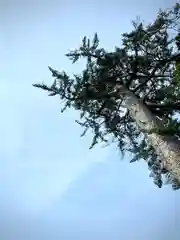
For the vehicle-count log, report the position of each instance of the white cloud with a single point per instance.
(41, 150)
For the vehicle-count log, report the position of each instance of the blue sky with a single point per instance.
(51, 185)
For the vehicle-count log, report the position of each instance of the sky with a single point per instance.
(51, 185)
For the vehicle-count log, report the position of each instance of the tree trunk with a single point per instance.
(167, 147)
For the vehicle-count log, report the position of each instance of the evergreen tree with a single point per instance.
(131, 95)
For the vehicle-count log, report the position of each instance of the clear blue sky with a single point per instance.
(51, 186)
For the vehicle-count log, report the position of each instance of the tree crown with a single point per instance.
(148, 64)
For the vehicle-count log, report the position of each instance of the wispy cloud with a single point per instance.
(41, 152)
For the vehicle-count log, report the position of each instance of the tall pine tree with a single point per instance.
(131, 95)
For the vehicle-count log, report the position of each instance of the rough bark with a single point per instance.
(167, 147)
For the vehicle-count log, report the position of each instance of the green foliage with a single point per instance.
(148, 65)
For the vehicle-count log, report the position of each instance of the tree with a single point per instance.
(131, 95)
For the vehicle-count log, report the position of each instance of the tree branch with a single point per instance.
(175, 106)
(160, 63)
